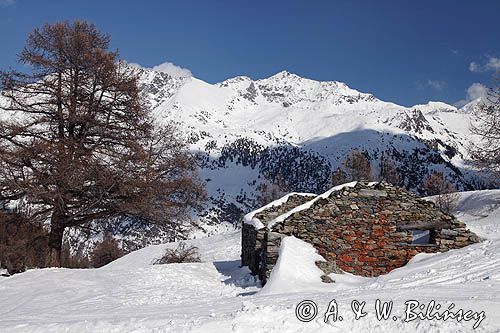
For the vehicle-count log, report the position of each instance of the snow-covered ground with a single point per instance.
(131, 295)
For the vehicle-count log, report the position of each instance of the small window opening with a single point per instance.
(421, 237)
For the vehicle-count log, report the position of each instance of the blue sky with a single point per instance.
(407, 52)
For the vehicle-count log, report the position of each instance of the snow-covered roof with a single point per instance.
(256, 223)
(308, 204)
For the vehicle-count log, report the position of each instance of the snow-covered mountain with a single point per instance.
(248, 131)
(298, 129)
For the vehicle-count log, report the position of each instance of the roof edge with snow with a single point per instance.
(256, 223)
(308, 204)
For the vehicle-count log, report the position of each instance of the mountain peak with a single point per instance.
(474, 105)
(285, 74)
(234, 81)
(433, 106)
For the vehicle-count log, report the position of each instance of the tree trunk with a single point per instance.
(55, 242)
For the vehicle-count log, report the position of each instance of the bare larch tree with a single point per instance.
(270, 190)
(388, 170)
(339, 177)
(486, 153)
(77, 140)
(358, 166)
(446, 196)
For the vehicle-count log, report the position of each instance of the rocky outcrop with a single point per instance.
(367, 229)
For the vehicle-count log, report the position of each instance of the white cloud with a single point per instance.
(492, 64)
(7, 2)
(438, 85)
(434, 84)
(475, 91)
(172, 70)
(167, 67)
(474, 67)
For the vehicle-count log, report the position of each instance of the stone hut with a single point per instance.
(362, 228)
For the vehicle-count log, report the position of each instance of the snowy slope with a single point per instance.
(131, 295)
(481, 211)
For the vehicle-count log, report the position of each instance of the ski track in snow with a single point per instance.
(216, 295)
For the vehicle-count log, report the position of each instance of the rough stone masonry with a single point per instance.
(366, 229)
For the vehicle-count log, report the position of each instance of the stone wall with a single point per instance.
(253, 240)
(366, 230)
